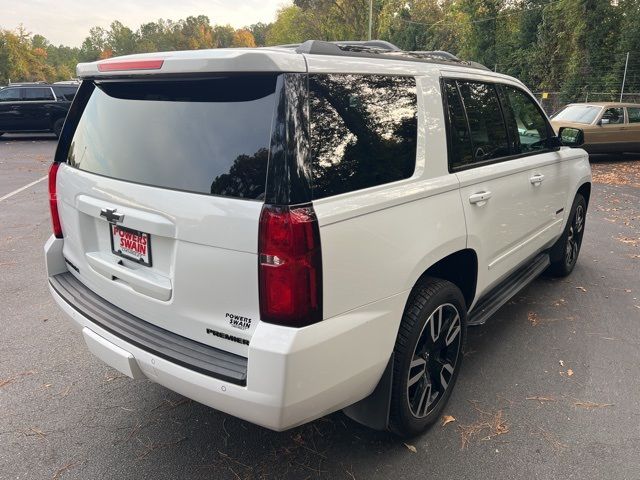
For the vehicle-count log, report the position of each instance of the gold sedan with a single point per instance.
(607, 127)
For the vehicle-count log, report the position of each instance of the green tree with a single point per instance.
(120, 39)
(223, 36)
(259, 31)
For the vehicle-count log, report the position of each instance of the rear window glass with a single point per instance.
(363, 131)
(578, 114)
(206, 136)
(65, 93)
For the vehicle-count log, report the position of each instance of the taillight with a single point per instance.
(53, 200)
(290, 266)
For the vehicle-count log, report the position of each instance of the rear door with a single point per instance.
(609, 134)
(633, 128)
(37, 108)
(506, 208)
(161, 197)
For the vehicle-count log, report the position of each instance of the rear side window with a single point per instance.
(207, 136)
(634, 114)
(486, 124)
(527, 122)
(38, 94)
(461, 148)
(363, 131)
(10, 95)
(65, 93)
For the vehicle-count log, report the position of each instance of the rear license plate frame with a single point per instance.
(139, 260)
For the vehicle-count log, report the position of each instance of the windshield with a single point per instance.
(206, 136)
(578, 113)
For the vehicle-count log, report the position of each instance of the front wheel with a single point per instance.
(427, 355)
(564, 254)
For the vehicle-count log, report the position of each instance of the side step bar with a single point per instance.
(496, 298)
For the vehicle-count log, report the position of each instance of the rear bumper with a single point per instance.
(292, 375)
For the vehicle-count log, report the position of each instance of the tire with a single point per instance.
(419, 360)
(564, 254)
(57, 127)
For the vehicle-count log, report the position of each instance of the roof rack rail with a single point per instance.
(321, 47)
(379, 49)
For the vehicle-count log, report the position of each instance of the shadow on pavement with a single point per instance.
(26, 137)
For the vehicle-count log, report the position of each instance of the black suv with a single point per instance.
(35, 107)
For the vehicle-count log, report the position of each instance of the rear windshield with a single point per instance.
(206, 136)
(578, 114)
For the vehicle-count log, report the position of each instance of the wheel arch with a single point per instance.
(459, 268)
(585, 191)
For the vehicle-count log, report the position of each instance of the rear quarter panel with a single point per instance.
(377, 242)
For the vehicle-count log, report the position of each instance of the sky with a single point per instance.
(68, 21)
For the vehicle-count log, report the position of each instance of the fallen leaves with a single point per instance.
(446, 419)
(150, 447)
(62, 470)
(113, 375)
(592, 405)
(629, 240)
(32, 432)
(489, 425)
(533, 319)
(569, 372)
(542, 399)
(616, 173)
(551, 438)
(15, 377)
(411, 448)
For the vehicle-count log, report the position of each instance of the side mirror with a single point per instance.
(604, 121)
(571, 137)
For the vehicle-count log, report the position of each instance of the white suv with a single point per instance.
(283, 232)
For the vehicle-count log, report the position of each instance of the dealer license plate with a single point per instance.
(131, 244)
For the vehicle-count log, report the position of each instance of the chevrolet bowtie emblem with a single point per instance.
(111, 215)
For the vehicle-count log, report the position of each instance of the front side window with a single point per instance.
(613, 116)
(486, 124)
(363, 131)
(10, 95)
(528, 124)
(38, 94)
(634, 114)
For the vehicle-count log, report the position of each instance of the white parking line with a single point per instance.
(8, 195)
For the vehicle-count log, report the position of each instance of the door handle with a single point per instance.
(480, 198)
(536, 179)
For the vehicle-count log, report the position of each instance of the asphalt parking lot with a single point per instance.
(550, 387)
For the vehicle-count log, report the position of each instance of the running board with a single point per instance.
(501, 294)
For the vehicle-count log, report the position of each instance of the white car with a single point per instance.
(284, 232)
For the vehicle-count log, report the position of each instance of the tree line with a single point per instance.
(573, 47)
